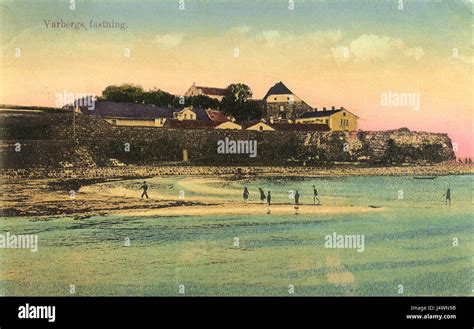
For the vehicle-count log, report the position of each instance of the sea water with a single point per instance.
(413, 245)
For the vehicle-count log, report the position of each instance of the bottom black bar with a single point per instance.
(327, 312)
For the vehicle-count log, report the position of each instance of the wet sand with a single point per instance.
(251, 209)
(36, 198)
(210, 204)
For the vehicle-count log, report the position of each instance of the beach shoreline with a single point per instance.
(134, 171)
(79, 193)
(36, 200)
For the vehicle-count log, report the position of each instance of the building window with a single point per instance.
(260, 128)
(274, 98)
(185, 116)
(344, 123)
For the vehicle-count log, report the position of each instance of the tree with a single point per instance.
(160, 98)
(202, 101)
(235, 95)
(237, 103)
(125, 93)
(128, 93)
(252, 110)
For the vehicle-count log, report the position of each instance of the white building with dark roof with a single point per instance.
(279, 93)
(283, 104)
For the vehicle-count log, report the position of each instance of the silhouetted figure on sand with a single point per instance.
(297, 198)
(144, 187)
(262, 195)
(246, 194)
(269, 198)
(315, 195)
(448, 197)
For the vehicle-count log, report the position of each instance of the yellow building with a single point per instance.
(136, 122)
(185, 114)
(258, 125)
(198, 124)
(337, 120)
(228, 125)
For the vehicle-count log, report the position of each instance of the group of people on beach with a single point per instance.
(263, 198)
(268, 197)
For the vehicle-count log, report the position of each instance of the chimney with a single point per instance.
(342, 108)
(324, 108)
(333, 108)
(315, 109)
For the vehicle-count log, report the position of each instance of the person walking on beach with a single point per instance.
(269, 198)
(246, 194)
(262, 195)
(297, 202)
(315, 195)
(448, 197)
(144, 187)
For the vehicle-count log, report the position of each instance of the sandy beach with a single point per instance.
(251, 209)
(83, 193)
(211, 205)
(37, 198)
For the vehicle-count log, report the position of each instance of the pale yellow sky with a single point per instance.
(348, 65)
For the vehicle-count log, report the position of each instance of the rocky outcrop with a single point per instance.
(50, 140)
(405, 146)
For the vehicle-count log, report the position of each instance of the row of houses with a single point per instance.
(138, 115)
(284, 111)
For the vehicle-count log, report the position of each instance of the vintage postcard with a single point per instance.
(236, 148)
